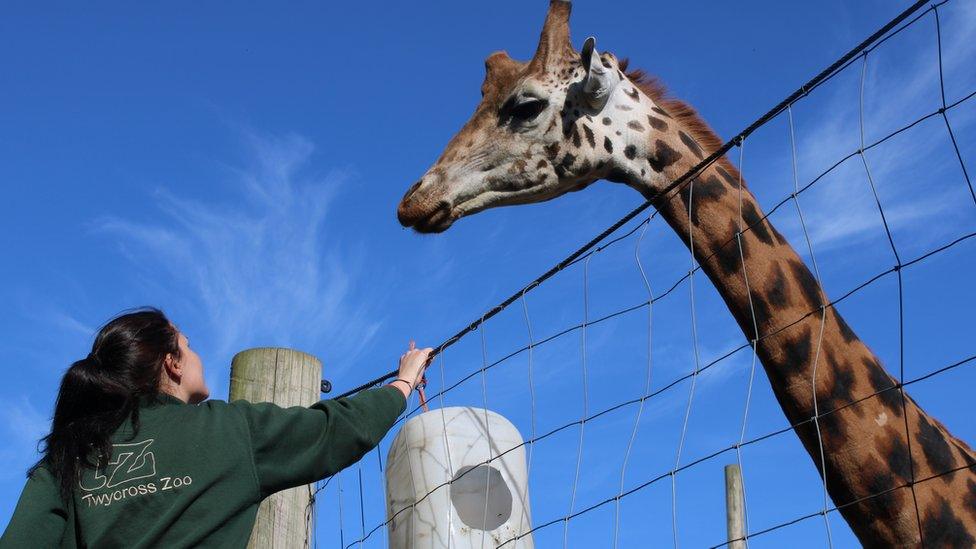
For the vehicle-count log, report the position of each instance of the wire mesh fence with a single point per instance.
(633, 387)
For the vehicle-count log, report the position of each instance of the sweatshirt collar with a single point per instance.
(159, 399)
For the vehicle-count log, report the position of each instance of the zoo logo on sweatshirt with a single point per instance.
(130, 463)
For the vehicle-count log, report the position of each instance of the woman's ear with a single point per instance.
(172, 367)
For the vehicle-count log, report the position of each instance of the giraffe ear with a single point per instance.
(599, 82)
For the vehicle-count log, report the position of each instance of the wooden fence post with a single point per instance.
(734, 507)
(286, 378)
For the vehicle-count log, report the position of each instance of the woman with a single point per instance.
(130, 463)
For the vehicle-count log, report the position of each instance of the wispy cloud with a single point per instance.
(259, 265)
(69, 323)
(901, 84)
(23, 426)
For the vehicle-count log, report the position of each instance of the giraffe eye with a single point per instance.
(527, 110)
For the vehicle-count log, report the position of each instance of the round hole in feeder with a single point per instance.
(468, 493)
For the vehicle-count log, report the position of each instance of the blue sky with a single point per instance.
(241, 168)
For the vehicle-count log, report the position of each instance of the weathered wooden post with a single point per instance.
(286, 378)
(734, 507)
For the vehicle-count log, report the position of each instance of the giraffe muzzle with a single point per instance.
(436, 221)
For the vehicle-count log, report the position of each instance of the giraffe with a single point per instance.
(566, 119)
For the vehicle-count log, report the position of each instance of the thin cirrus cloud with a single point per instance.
(901, 84)
(23, 426)
(261, 266)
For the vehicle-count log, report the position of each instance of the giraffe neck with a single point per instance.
(814, 361)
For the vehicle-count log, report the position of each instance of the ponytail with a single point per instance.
(101, 391)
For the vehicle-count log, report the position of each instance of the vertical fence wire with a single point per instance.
(694, 376)
(447, 448)
(753, 341)
(582, 422)
(342, 532)
(944, 108)
(897, 269)
(647, 383)
(823, 321)
(531, 447)
(488, 440)
(362, 506)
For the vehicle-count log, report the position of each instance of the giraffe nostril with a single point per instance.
(412, 188)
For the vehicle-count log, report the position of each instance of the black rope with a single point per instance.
(803, 90)
(704, 368)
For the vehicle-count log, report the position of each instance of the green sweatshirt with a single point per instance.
(193, 476)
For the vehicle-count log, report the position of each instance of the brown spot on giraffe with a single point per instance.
(661, 112)
(568, 160)
(705, 189)
(730, 260)
(590, 138)
(969, 500)
(733, 181)
(663, 156)
(935, 448)
(792, 353)
(941, 527)
(883, 386)
(770, 295)
(657, 123)
(691, 144)
(755, 223)
(776, 288)
(805, 283)
(728, 256)
(840, 383)
(878, 498)
(552, 151)
(898, 460)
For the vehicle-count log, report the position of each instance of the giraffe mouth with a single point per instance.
(437, 221)
(446, 214)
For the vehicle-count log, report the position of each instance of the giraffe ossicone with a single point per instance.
(599, 80)
(566, 119)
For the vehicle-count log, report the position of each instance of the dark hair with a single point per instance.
(101, 391)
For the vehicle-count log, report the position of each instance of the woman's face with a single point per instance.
(192, 381)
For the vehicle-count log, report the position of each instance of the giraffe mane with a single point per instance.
(680, 111)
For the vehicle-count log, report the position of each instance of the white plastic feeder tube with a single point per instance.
(441, 454)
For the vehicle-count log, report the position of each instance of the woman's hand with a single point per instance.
(412, 366)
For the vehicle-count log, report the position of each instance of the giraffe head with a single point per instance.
(543, 128)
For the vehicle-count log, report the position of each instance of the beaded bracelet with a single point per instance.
(409, 386)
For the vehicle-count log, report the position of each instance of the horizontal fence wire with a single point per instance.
(971, 360)
(601, 242)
